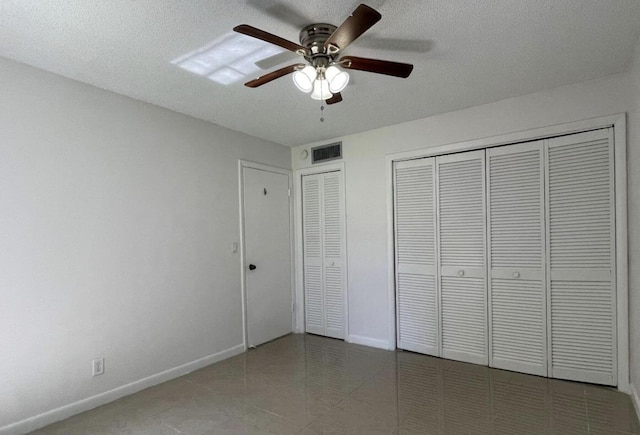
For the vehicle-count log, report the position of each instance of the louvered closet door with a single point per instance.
(581, 259)
(517, 296)
(323, 246)
(313, 255)
(461, 231)
(333, 239)
(416, 299)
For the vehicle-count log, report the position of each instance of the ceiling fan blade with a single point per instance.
(273, 75)
(273, 39)
(276, 59)
(387, 67)
(358, 22)
(335, 99)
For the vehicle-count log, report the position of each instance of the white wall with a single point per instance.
(366, 184)
(634, 224)
(116, 224)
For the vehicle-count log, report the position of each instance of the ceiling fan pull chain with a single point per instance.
(322, 111)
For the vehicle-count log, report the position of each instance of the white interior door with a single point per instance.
(267, 255)
(417, 304)
(581, 246)
(334, 259)
(463, 269)
(516, 239)
(323, 251)
(313, 255)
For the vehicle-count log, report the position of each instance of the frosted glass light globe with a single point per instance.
(303, 79)
(337, 79)
(321, 90)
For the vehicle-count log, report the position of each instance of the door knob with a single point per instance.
(516, 274)
(461, 273)
(252, 267)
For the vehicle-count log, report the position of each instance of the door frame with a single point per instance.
(618, 122)
(299, 307)
(242, 164)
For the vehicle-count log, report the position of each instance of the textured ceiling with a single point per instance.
(465, 52)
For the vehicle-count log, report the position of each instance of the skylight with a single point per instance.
(228, 59)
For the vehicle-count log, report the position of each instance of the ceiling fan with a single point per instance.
(321, 45)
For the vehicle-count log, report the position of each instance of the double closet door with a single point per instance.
(323, 248)
(440, 256)
(505, 257)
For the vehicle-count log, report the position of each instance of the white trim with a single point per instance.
(618, 122)
(66, 411)
(242, 253)
(299, 252)
(614, 243)
(243, 270)
(635, 398)
(392, 333)
(263, 167)
(547, 258)
(298, 257)
(371, 342)
(622, 256)
(345, 277)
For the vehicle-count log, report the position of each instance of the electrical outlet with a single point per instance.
(98, 366)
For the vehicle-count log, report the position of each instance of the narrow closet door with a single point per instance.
(324, 247)
(517, 296)
(581, 222)
(416, 301)
(461, 230)
(313, 253)
(333, 260)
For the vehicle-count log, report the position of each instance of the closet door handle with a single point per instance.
(461, 273)
(252, 267)
(516, 274)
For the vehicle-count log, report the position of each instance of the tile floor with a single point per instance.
(313, 385)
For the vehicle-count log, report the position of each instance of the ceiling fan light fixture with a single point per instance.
(321, 46)
(321, 90)
(304, 78)
(337, 79)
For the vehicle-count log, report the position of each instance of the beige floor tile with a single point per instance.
(379, 390)
(314, 385)
(608, 409)
(355, 417)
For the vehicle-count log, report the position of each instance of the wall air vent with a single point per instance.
(325, 153)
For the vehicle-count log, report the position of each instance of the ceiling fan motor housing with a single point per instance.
(313, 37)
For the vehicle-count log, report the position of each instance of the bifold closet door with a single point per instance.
(516, 254)
(581, 260)
(323, 248)
(462, 232)
(416, 283)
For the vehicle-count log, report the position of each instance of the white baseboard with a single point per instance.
(635, 398)
(66, 411)
(368, 341)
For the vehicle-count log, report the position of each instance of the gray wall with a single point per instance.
(116, 224)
